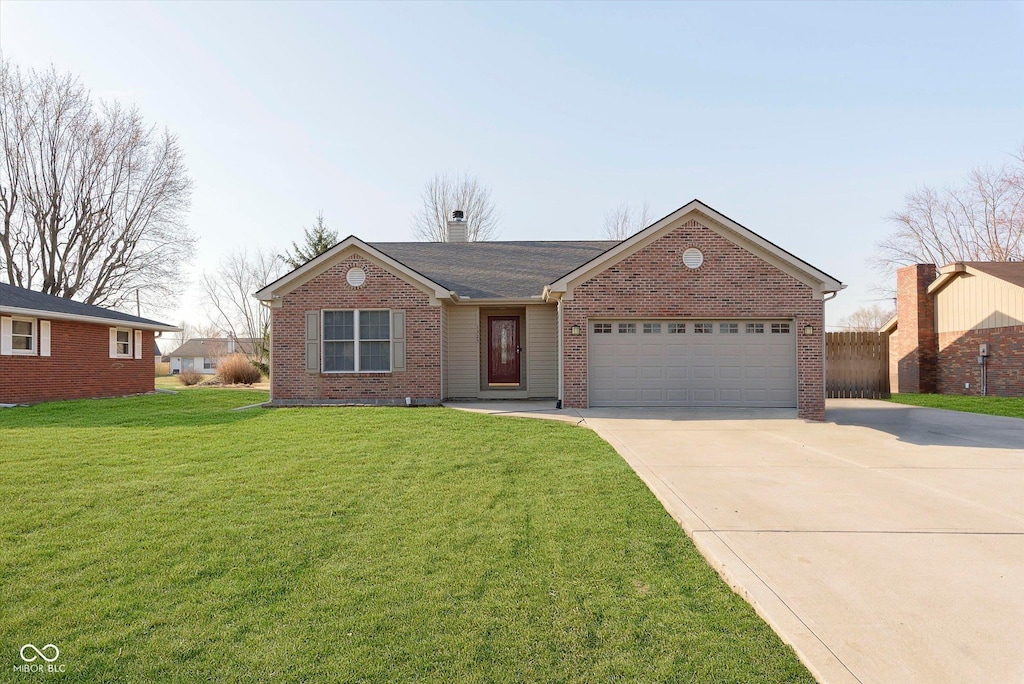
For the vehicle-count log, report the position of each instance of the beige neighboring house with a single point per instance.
(201, 354)
(958, 329)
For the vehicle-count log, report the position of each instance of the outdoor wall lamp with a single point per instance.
(576, 331)
(808, 330)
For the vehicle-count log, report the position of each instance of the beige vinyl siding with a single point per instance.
(463, 351)
(542, 342)
(444, 353)
(972, 302)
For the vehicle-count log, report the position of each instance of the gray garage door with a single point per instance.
(692, 363)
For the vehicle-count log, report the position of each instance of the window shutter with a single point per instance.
(44, 338)
(138, 344)
(113, 343)
(5, 335)
(398, 340)
(312, 341)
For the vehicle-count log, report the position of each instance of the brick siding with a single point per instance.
(958, 361)
(731, 283)
(421, 381)
(79, 367)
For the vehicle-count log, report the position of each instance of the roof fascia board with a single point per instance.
(489, 301)
(81, 318)
(890, 325)
(315, 267)
(820, 281)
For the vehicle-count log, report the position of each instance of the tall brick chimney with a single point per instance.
(917, 342)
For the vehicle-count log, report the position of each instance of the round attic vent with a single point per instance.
(355, 276)
(693, 258)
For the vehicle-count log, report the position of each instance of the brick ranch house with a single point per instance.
(695, 310)
(54, 348)
(944, 317)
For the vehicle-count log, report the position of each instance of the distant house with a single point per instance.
(202, 353)
(55, 348)
(958, 329)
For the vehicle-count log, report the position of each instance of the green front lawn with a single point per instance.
(168, 538)
(993, 406)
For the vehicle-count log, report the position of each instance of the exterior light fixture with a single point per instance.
(576, 331)
(808, 330)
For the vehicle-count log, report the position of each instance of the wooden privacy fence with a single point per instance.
(857, 365)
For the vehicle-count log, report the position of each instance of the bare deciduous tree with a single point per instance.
(625, 220)
(190, 330)
(92, 199)
(230, 289)
(866, 318)
(981, 220)
(444, 194)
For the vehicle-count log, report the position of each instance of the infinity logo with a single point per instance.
(39, 652)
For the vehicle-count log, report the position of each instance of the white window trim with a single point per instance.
(118, 354)
(34, 351)
(355, 341)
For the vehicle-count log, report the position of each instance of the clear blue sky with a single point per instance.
(806, 122)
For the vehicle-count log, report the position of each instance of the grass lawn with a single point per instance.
(993, 406)
(168, 538)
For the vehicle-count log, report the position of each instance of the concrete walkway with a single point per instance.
(885, 545)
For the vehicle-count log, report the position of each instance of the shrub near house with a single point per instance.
(55, 348)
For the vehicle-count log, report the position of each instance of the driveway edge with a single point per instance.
(822, 663)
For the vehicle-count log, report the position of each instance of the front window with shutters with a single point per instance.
(357, 341)
(124, 342)
(23, 336)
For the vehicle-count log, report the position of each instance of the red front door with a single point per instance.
(503, 350)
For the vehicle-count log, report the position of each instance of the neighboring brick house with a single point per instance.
(55, 348)
(201, 354)
(943, 319)
(695, 310)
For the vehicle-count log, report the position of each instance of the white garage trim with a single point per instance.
(749, 362)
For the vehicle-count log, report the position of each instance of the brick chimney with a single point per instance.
(457, 229)
(917, 342)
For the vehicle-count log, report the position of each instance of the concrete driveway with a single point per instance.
(885, 545)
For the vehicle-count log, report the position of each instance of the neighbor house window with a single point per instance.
(124, 342)
(357, 341)
(780, 328)
(207, 363)
(23, 335)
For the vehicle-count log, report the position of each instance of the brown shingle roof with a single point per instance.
(494, 269)
(1010, 271)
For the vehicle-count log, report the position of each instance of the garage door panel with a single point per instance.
(720, 368)
(703, 372)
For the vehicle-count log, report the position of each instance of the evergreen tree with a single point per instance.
(318, 240)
